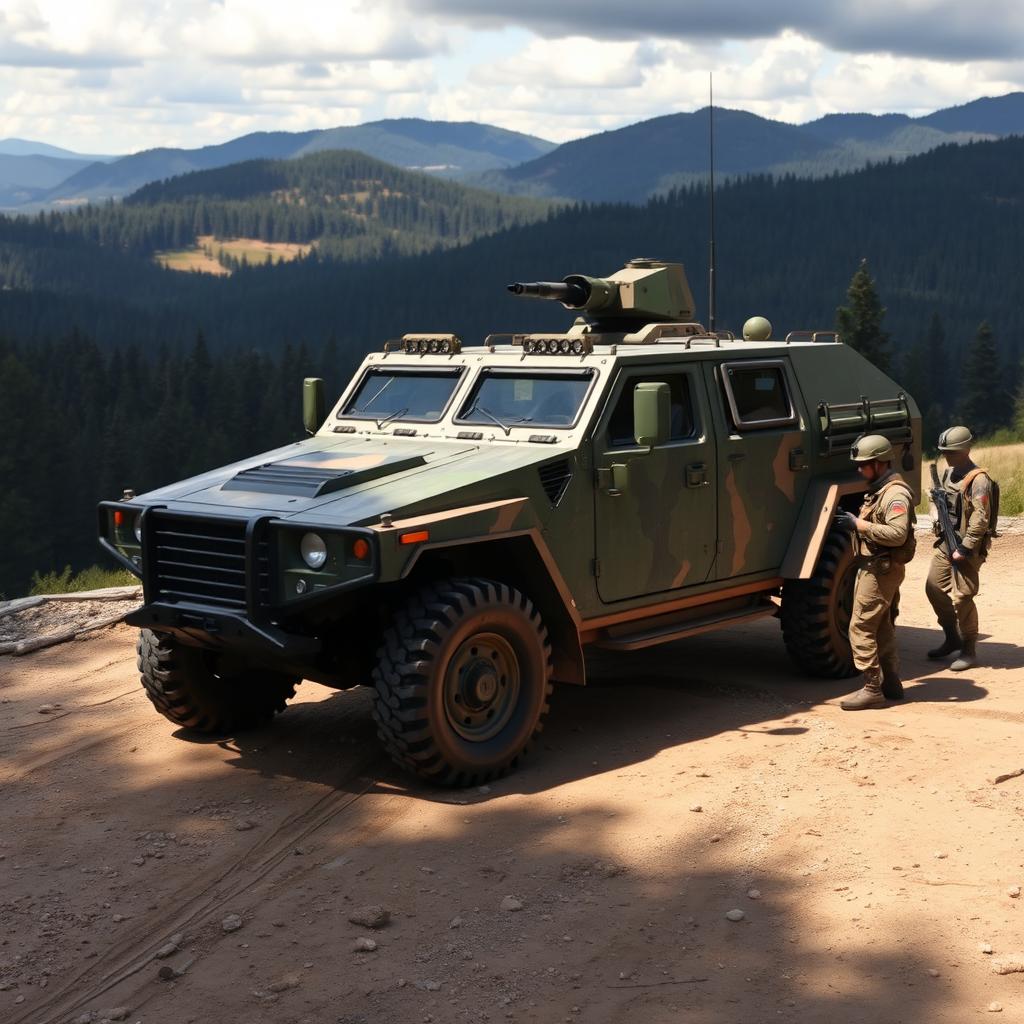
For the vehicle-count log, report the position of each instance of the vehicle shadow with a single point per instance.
(634, 706)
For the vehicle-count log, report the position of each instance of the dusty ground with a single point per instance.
(871, 854)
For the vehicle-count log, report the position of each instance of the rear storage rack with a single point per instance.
(842, 423)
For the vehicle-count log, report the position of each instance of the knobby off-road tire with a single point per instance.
(462, 681)
(816, 612)
(185, 687)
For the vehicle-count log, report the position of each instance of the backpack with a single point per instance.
(993, 519)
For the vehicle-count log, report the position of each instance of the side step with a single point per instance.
(664, 633)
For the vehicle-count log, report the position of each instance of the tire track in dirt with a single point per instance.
(212, 891)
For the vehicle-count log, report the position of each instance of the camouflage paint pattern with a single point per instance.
(694, 520)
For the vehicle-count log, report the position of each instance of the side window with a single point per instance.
(684, 424)
(757, 394)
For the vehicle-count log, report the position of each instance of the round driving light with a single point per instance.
(137, 528)
(361, 549)
(300, 586)
(313, 550)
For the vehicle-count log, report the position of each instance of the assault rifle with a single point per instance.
(946, 529)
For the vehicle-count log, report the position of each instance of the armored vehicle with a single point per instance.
(467, 519)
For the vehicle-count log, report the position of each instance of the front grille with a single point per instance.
(201, 560)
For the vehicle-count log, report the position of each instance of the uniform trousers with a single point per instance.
(954, 606)
(872, 633)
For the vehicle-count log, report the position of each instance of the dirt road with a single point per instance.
(874, 861)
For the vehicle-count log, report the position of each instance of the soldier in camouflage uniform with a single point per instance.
(969, 497)
(884, 535)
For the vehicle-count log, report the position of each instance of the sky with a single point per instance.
(118, 76)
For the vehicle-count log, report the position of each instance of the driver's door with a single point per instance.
(655, 509)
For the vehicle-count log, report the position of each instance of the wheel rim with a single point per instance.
(481, 686)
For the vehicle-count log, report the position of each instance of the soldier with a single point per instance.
(885, 543)
(969, 497)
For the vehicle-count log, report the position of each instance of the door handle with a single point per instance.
(737, 456)
(613, 479)
(797, 459)
(696, 475)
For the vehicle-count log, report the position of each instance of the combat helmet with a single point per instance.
(872, 446)
(956, 439)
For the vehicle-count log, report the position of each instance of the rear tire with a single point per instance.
(816, 612)
(462, 680)
(188, 686)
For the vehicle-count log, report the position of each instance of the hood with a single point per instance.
(353, 480)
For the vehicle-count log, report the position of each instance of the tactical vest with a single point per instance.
(872, 509)
(961, 506)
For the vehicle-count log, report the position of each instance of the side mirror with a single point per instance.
(312, 404)
(652, 414)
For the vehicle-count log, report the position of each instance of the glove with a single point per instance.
(846, 521)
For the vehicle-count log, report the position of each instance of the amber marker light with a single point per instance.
(361, 549)
(418, 537)
(118, 517)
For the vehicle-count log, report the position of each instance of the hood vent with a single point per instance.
(554, 478)
(319, 473)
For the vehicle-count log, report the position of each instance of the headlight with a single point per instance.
(313, 550)
(137, 528)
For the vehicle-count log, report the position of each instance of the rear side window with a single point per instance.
(757, 394)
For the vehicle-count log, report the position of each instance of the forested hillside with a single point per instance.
(102, 385)
(350, 205)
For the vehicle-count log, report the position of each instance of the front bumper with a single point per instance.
(219, 630)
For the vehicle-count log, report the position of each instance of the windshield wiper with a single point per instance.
(380, 391)
(490, 415)
(381, 424)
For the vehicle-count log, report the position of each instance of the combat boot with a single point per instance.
(950, 645)
(968, 658)
(868, 696)
(892, 685)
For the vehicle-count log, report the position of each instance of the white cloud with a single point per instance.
(114, 75)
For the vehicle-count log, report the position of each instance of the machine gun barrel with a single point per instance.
(946, 529)
(571, 294)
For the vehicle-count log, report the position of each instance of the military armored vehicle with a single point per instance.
(468, 518)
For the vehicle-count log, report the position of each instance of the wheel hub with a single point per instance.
(481, 686)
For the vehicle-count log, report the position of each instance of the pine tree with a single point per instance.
(860, 323)
(985, 403)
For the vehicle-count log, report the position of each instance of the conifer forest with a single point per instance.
(117, 372)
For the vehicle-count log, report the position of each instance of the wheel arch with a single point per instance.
(823, 500)
(523, 561)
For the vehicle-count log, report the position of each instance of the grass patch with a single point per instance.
(206, 255)
(1005, 462)
(93, 578)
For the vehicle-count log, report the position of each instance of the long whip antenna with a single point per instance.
(711, 200)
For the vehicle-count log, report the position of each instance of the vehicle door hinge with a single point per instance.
(595, 566)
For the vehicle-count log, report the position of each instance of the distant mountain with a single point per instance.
(26, 147)
(992, 115)
(26, 178)
(632, 163)
(451, 149)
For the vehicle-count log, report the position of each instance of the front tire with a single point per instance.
(194, 688)
(462, 681)
(816, 612)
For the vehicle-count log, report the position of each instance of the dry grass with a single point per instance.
(203, 255)
(1005, 462)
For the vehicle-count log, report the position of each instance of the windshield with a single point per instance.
(406, 394)
(509, 398)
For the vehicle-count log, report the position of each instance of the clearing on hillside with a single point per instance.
(207, 254)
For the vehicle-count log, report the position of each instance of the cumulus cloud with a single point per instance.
(936, 29)
(121, 75)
